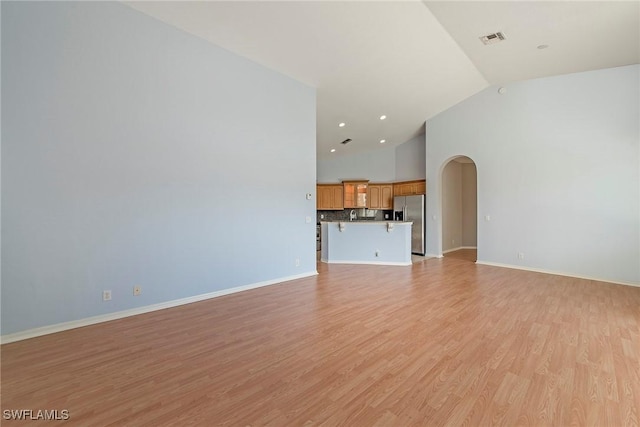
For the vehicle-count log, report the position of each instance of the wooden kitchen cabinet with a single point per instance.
(386, 192)
(373, 196)
(410, 188)
(380, 196)
(361, 194)
(355, 194)
(329, 197)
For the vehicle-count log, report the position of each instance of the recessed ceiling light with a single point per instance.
(543, 46)
(382, 141)
(341, 125)
(333, 150)
(382, 117)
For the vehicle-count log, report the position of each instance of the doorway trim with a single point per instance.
(440, 213)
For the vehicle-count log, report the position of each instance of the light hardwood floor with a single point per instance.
(463, 254)
(442, 342)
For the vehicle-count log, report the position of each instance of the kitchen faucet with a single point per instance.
(352, 215)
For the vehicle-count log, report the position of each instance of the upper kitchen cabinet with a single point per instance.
(355, 194)
(410, 188)
(329, 197)
(380, 196)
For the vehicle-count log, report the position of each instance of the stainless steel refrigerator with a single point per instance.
(412, 209)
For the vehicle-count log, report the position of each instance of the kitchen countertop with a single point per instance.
(368, 221)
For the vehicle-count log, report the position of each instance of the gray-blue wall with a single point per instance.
(136, 154)
(404, 162)
(558, 162)
(374, 165)
(410, 160)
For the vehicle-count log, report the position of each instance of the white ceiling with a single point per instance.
(581, 35)
(408, 60)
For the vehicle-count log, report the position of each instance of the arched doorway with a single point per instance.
(459, 208)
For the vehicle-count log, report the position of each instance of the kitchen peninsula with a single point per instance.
(366, 242)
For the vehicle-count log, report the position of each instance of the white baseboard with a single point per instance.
(59, 327)
(433, 255)
(367, 262)
(459, 248)
(557, 273)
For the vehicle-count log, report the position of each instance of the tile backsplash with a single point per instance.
(363, 214)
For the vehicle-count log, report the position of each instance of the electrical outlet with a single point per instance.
(297, 262)
(520, 255)
(106, 295)
(377, 252)
(137, 290)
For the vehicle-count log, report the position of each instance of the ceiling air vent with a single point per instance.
(492, 38)
(346, 141)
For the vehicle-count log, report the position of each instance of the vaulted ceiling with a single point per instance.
(407, 60)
